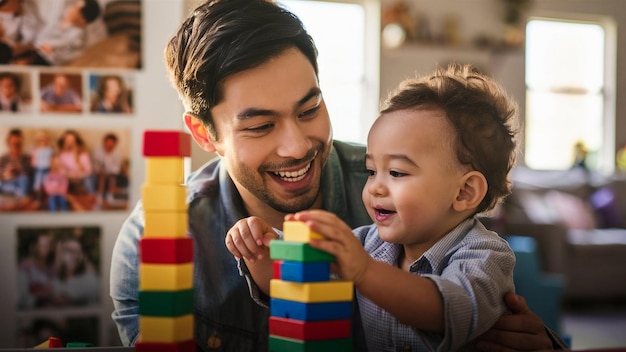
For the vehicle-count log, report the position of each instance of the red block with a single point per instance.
(276, 266)
(155, 250)
(184, 346)
(309, 330)
(166, 143)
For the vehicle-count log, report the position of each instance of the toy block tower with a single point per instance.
(309, 311)
(165, 251)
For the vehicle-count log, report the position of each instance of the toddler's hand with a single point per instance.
(249, 239)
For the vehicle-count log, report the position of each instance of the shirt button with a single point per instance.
(406, 348)
(214, 342)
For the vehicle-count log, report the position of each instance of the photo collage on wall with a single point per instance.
(68, 87)
(62, 60)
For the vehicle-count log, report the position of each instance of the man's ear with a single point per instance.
(199, 133)
(472, 191)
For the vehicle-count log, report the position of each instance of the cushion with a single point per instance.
(536, 207)
(604, 202)
(572, 211)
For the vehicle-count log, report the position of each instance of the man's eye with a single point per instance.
(261, 128)
(310, 112)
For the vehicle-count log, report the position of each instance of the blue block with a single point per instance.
(305, 271)
(310, 311)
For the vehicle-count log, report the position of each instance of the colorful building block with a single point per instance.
(298, 231)
(310, 311)
(165, 329)
(165, 170)
(284, 344)
(304, 271)
(309, 330)
(297, 252)
(276, 269)
(168, 224)
(166, 303)
(166, 250)
(79, 344)
(166, 143)
(165, 277)
(164, 198)
(52, 342)
(184, 346)
(313, 292)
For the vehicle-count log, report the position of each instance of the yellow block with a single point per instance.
(164, 197)
(163, 329)
(312, 292)
(298, 231)
(167, 224)
(165, 277)
(165, 170)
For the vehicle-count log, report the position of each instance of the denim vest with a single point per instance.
(226, 317)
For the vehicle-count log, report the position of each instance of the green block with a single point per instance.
(284, 344)
(297, 252)
(166, 303)
(79, 344)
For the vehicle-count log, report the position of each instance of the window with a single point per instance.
(346, 34)
(569, 93)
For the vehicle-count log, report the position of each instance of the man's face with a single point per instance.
(15, 145)
(274, 133)
(109, 144)
(7, 87)
(60, 85)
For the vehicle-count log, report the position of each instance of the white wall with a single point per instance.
(157, 107)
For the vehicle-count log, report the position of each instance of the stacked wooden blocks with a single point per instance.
(308, 311)
(166, 252)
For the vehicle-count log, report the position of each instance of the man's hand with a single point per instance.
(522, 330)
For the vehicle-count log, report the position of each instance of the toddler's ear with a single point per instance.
(472, 191)
(199, 132)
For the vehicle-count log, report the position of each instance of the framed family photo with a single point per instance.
(64, 169)
(71, 33)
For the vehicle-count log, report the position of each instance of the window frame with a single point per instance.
(606, 153)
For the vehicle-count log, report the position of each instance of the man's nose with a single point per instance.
(294, 142)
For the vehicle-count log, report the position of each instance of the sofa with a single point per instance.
(578, 219)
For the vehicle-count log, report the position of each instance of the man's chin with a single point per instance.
(294, 205)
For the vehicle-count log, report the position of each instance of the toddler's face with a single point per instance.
(414, 175)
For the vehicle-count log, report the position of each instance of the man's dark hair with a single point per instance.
(224, 37)
(15, 132)
(6, 53)
(110, 136)
(90, 10)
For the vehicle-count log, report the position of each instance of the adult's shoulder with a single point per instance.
(350, 153)
(203, 179)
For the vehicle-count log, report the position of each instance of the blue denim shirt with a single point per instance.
(226, 317)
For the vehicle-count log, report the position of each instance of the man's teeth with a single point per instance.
(293, 176)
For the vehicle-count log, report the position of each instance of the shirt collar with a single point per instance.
(435, 254)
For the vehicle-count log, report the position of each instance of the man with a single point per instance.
(15, 174)
(246, 72)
